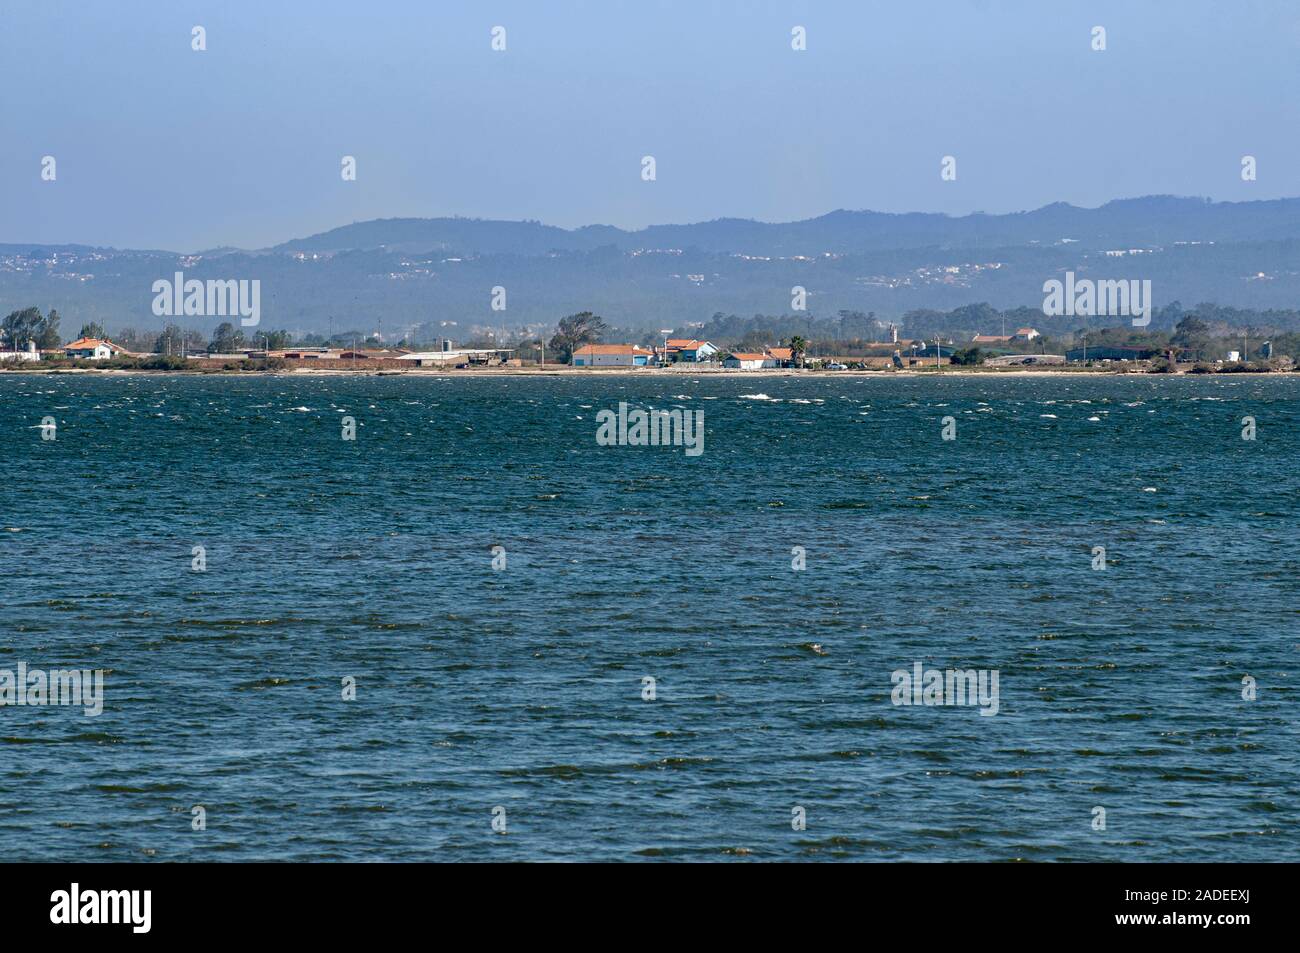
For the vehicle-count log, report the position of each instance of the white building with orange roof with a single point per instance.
(612, 355)
(92, 349)
(689, 350)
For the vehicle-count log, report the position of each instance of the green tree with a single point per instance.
(92, 329)
(170, 341)
(1193, 335)
(797, 347)
(574, 331)
(226, 338)
(49, 337)
(19, 327)
(134, 340)
(1189, 328)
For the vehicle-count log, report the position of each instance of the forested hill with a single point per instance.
(400, 273)
(1153, 219)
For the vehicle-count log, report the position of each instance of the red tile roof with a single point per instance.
(89, 344)
(588, 350)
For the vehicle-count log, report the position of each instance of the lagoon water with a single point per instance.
(522, 687)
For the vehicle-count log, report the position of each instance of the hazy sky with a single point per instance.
(159, 146)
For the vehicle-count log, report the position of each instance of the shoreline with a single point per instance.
(488, 372)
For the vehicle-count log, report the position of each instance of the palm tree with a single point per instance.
(797, 346)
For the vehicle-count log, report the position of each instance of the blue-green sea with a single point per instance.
(511, 684)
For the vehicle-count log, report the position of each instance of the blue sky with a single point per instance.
(159, 146)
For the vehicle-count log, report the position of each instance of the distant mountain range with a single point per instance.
(407, 272)
(1159, 219)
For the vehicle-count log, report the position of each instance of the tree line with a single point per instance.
(29, 326)
(1207, 331)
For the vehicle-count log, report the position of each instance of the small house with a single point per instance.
(689, 350)
(92, 349)
(611, 355)
(748, 361)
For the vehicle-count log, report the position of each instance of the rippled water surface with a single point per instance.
(522, 688)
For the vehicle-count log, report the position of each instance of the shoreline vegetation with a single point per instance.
(295, 368)
(31, 343)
